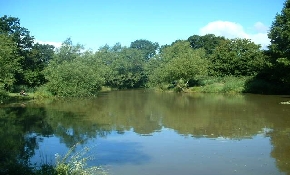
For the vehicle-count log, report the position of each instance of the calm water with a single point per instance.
(143, 132)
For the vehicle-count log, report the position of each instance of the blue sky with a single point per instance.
(95, 23)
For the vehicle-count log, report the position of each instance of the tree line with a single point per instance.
(206, 63)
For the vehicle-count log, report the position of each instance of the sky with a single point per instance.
(95, 23)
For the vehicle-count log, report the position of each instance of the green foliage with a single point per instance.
(76, 76)
(19, 88)
(9, 61)
(10, 26)
(72, 71)
(3, 95)
(280, 33)
(237, 57)
(228, 84)
(147, 48)
(179, 62)
(261, 85)
(74, 79)
(279, 49)
(151, 68)
(68, 51)
(35, 62)
(208, 42)
(42, 93)
(26, 58)
(123, 67)
(20, 35)
(76, 164)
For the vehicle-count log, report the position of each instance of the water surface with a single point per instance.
(144, 132)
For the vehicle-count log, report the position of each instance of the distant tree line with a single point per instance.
(201, 63)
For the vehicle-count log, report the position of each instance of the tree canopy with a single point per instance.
(236, 57)
(9, 61)
(147, 48)
(209, 42)
(279, 49)
(179, 62)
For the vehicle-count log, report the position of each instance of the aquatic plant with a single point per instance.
(75, 163)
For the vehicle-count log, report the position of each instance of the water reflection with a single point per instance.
(120, 152)
(166, 133)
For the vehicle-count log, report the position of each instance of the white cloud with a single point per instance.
(55, 44)
(224, 28)
(233, 30)
(261, 28)
(261, 38)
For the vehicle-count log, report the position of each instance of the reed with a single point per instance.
(75, 163)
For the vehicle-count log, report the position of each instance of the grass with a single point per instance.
(15, 97)
(221, 85)
(76, 164)
(72, 163)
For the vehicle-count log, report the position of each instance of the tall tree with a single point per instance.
(9, 61)
(20, 35)
(279, 49)
(148, 48)
(73, 73)
(237, 57)
(126, 69)
(280, 33)
(179, 63)
(37, 59)
(68, 51)
(11, 27)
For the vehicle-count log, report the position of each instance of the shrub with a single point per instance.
(74, 79)
(228, 84)
(42, 92)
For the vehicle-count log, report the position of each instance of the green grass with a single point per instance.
(221, 85)
(15, 97)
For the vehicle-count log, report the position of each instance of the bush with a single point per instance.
(73, 79)
(42, 93)
(234, 85)
(228, 84)
(19, 88)
(3, 96)
(262, 86)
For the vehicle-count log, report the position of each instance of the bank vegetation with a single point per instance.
(209, 64)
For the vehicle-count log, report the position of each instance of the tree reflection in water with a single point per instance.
(212, 116)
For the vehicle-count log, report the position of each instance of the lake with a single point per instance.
(144, 132)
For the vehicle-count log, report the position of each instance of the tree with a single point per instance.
(237, 57)
(279, 49)
(68, 51)
(9, 61)
(72, 73)
(179, 63)
(125, 69)
(36, 60)
(20, 35)
(148, 48)
(209, 42)
(44, 53)
(74, 79)
(11, 27)
(280, 34)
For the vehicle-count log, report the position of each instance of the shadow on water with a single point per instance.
(18, 145)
